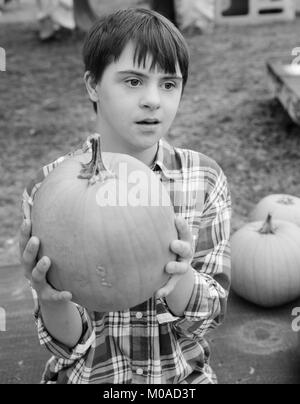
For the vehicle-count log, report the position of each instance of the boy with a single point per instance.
(136, 66)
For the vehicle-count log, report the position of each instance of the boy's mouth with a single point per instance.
(148, 121)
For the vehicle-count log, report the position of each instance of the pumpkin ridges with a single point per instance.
(290, 240)
(155, 228)
(273, 248)
(275, 273)
(50, 201)
(61, 277)
(237, 261)
(131, 240)
(290, 263)
(267, 252)
(137, 258)
(78, 201)
(161, 245)
(110, 250)
(256, 277)
(288, 283)
(272, 272)
(85, 238)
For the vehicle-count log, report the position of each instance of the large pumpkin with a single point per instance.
(106, 222)
(281, 206)
(266, 262)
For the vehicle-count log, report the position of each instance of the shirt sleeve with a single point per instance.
(59, 350)
(207, 306)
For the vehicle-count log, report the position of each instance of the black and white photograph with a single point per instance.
(149, 194)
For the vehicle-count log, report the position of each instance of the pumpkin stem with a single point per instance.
(268, 227)
(95, 170)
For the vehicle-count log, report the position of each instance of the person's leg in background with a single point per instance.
(54, 15)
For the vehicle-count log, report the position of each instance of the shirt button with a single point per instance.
(139, 371)
(139, 315)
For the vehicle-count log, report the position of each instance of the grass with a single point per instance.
(227, 112)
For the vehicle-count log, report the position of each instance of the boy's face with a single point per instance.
(136, 105)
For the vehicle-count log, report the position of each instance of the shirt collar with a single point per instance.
(167, 159)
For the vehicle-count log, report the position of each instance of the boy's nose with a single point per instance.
(150, 99)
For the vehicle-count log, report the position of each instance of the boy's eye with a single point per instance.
(169, 85)
(133, 82)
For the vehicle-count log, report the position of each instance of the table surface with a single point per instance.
(253, 346)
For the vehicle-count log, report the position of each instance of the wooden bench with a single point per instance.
(284, 80)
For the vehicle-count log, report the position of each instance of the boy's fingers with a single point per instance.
(40, 271)
(29, 257)
(176, 267)
(182, 248)
(168, 288)
(50, 295)
(183, 229)
(24, 235)
(39, 283)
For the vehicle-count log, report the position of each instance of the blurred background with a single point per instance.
(229, 112)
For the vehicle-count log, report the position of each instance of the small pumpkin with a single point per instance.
(281, 206)
(266, 262)
(109, 253)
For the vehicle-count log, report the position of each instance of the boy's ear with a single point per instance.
(91, 86)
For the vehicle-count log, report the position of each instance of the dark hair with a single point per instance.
(151, 33)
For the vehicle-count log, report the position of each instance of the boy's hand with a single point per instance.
(35, 271)
(184, 248)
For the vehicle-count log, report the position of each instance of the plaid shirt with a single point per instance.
(148, 344)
